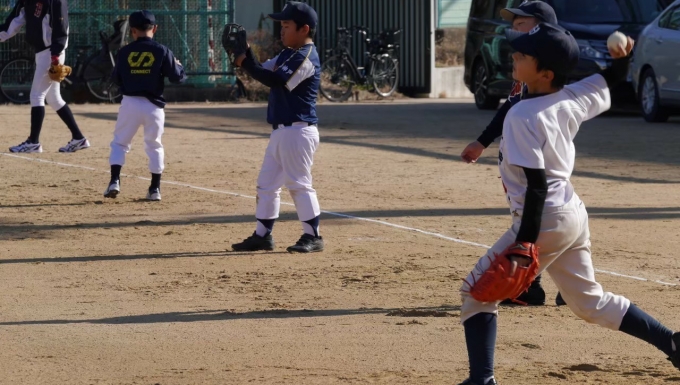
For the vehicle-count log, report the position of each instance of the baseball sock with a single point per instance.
(115, 172)
(37, 117)
(537, 281)
(264, 227)
(311, 226)
(155, 181)
(480, 338)
(67, 116)
(639, 324)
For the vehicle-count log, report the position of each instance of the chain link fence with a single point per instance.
(190, 28)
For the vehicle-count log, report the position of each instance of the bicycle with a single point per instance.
(339, 73)
(16, 76)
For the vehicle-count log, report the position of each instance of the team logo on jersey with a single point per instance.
(535, 29)
(38, 9)
(140, 59)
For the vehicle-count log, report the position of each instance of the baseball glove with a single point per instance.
(509, 275)
(58, 72)
(234, 41)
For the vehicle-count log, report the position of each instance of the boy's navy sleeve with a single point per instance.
(59, 26)
(534, 201)
(495, 129)
(261, 74)
(172, 69)
(617, 72)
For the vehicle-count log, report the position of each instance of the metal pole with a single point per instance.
(185, 31)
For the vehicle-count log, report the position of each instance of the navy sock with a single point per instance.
(115, 172)
(314, 224)
(37, 117)
(265, 227)
(639, 324)
(480, 337)
(537, 281)
(155, 181)
(67, 116)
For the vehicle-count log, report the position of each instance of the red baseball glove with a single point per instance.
(509, 275)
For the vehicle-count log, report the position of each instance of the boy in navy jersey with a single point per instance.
(293, 77)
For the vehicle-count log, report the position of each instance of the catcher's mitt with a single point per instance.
(234, 41)
(58, 72)
(506, 278)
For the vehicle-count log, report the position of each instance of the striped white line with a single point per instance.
(393, 225)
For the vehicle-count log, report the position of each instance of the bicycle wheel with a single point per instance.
(97, 76)
(336, 79)
(16, 79)
(384, 75)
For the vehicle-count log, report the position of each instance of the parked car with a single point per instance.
(488, 61)
(656, 66)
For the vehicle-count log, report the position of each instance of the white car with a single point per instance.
(656, 66)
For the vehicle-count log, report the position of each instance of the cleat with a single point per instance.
(307, 244)
(75, 145)
(154, 194)
(469, 382)
(26, 147)
(113, 190)
(559, 301)
(675, 357)
(534, 296)
(255, 243)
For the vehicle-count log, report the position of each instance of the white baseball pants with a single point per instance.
(138, 111)
(564, 252)
(288, 161)
(43, 88)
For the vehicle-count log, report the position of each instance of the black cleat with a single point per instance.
(559, 301)
(675, 357)
(535, 296)
(469, 382)
(307, 244)
(255, 243)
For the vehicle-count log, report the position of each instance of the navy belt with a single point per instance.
(288, 124)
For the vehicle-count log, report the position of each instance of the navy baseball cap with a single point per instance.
(538, 9)
(553, 45)
(298, 12)
(141, 19)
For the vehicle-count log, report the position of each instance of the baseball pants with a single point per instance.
(138, 111)
(288, 161)
(43, 88)
(564, 252)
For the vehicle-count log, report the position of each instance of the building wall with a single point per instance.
(249, 12)
(453, 13)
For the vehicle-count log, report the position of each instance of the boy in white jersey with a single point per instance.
(536, 161)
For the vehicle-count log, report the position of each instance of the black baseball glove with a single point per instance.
(234, 41)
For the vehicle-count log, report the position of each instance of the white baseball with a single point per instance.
(617, 41)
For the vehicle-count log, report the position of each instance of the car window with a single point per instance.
(607, 11)
(671, 20)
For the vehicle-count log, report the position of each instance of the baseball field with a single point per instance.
(124, 291)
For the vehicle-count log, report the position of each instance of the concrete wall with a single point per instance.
(447, 82)
(248, 13)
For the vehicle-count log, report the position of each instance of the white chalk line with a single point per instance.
(393, 225)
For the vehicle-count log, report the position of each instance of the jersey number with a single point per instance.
(141, 59)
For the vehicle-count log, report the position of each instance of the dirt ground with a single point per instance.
(100, 291)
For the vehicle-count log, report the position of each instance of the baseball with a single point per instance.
(617, 41)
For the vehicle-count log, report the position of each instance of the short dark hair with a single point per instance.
(312, 31)
(559, 80)
(144, 28)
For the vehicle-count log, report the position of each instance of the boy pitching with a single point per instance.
(523, 18)
(550, 222)
(47, 32)
(141, 67)
(293, 77)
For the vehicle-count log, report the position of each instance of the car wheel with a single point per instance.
(652, 110)
(481, 88)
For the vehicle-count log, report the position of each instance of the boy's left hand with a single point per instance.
(620, 52)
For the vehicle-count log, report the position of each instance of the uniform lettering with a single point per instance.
(141, 59)
(140, 72)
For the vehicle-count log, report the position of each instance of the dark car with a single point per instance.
(488, 61)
